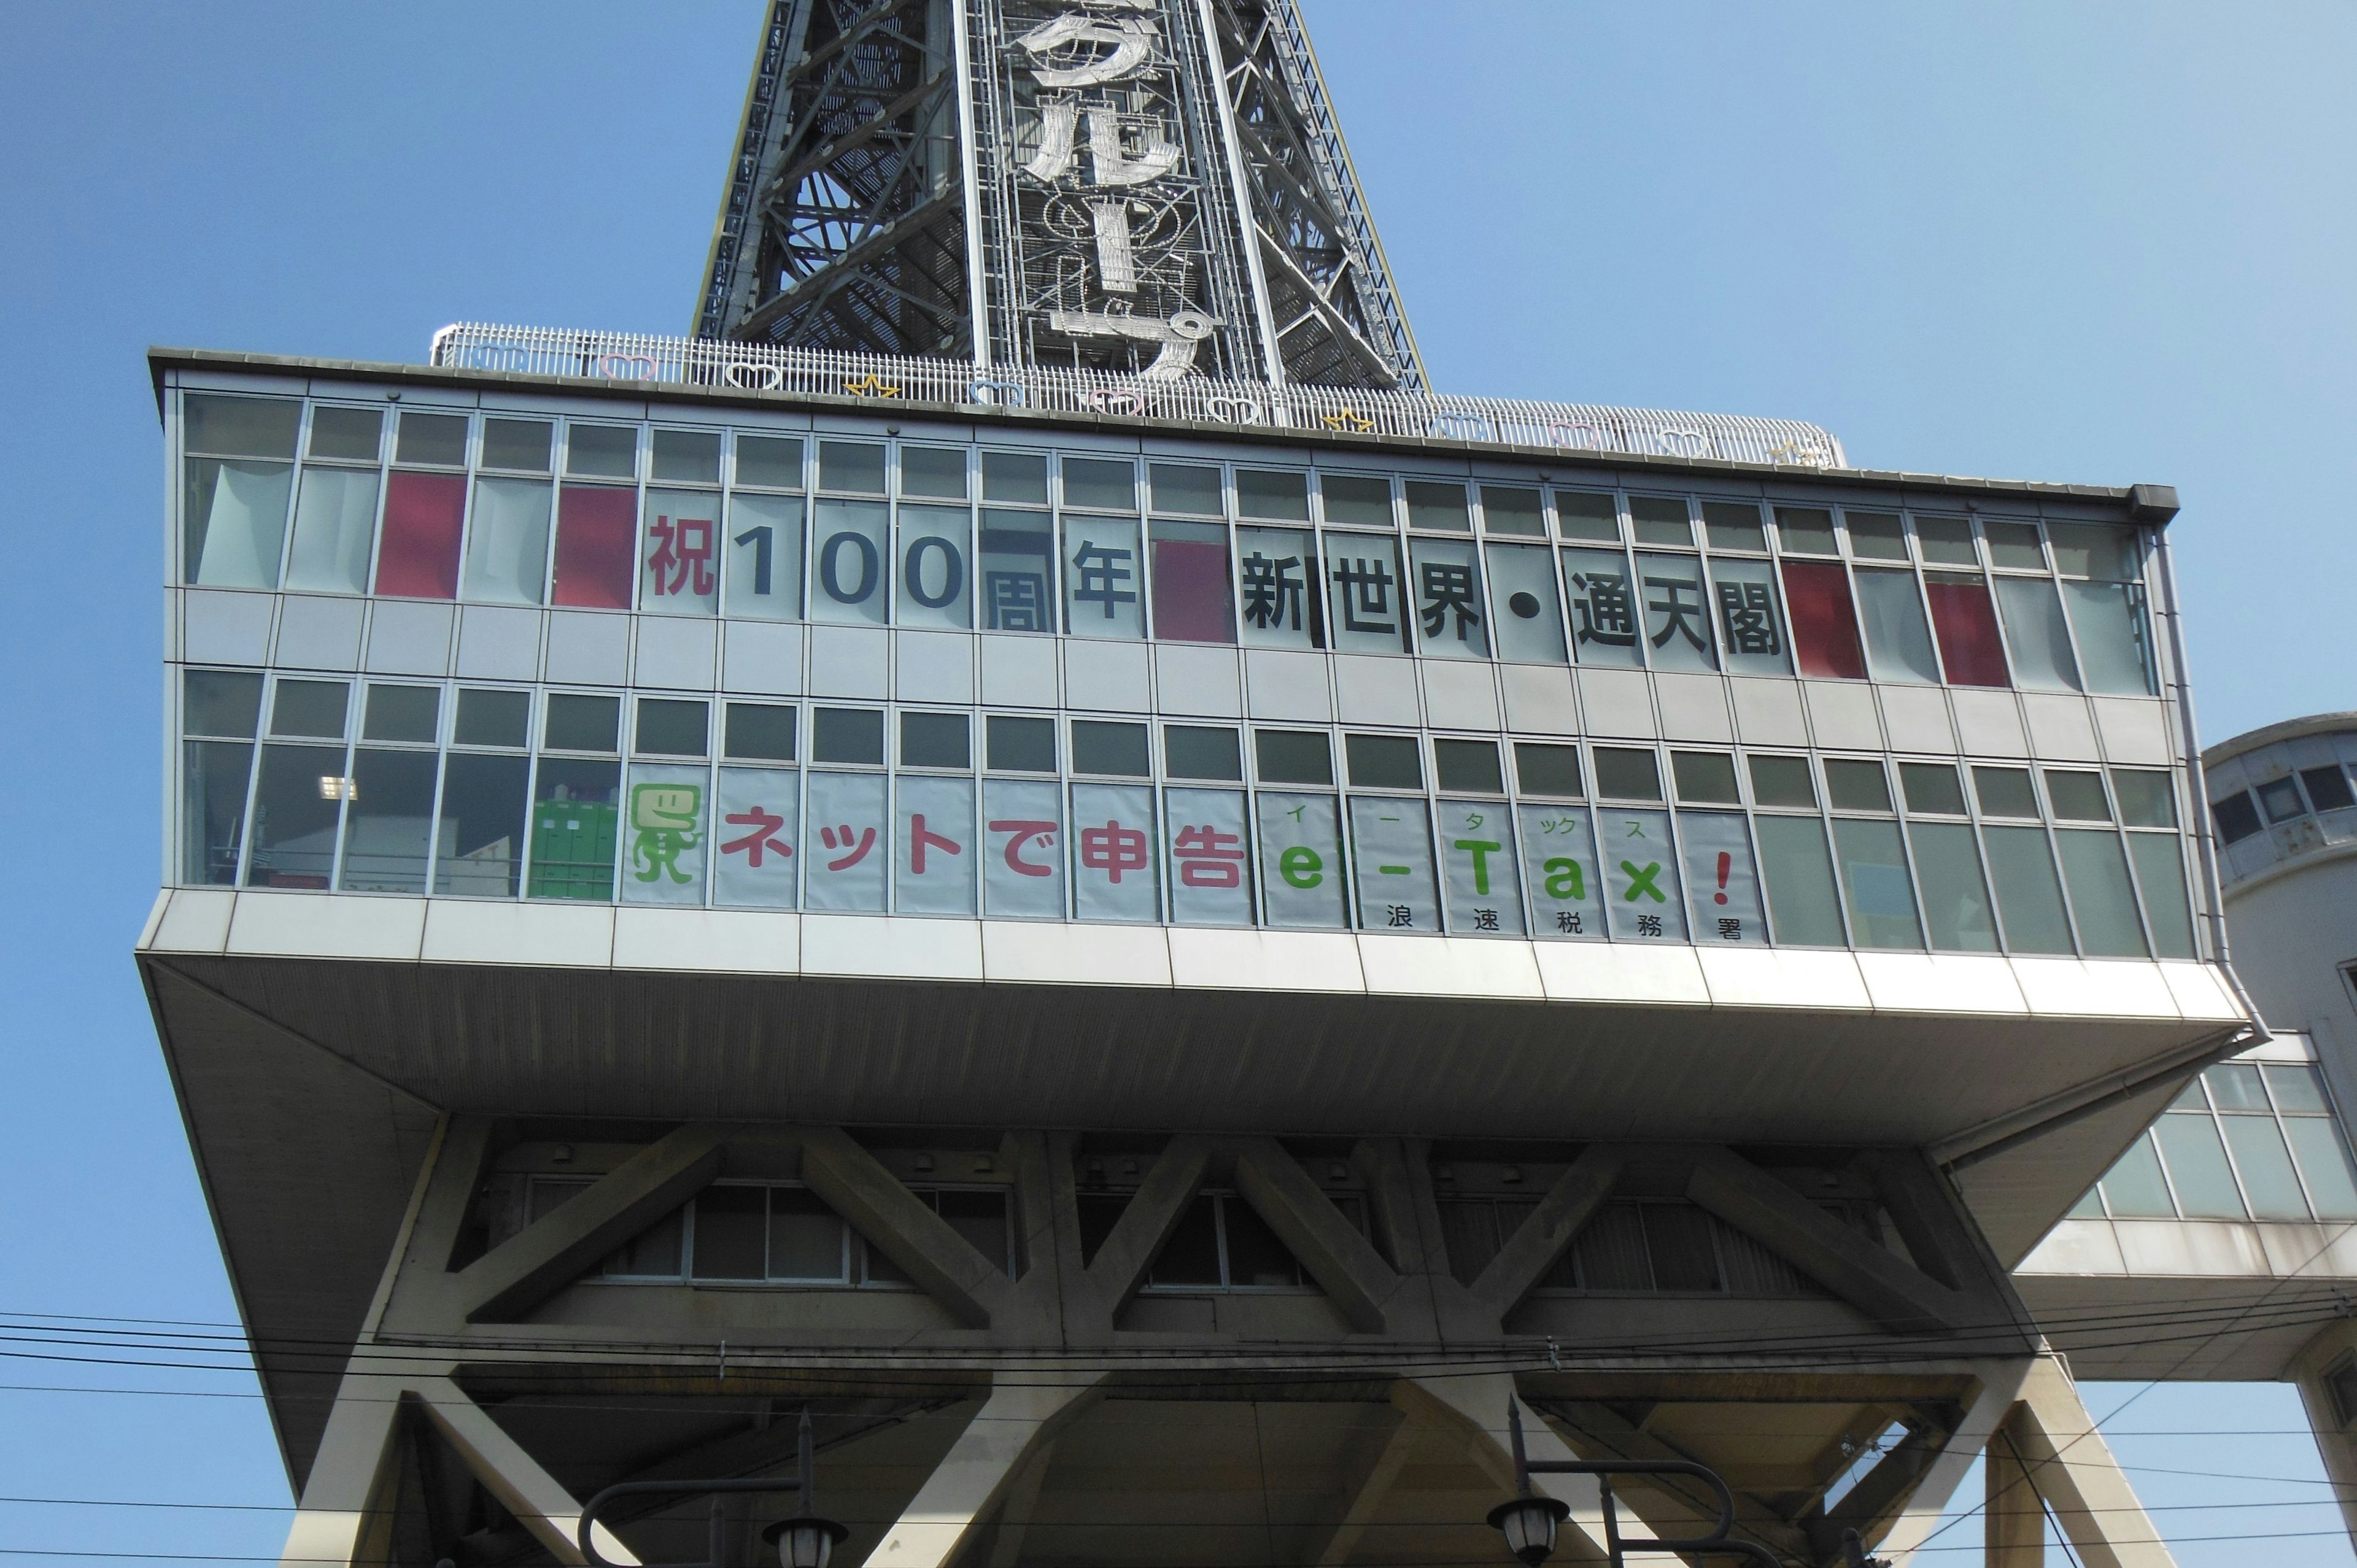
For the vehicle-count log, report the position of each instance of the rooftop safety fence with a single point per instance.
(765, 367)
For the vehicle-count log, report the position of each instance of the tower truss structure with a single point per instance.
(1151, 188)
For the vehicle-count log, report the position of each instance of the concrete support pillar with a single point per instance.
(539, 1503)
(349, 1476)
(1022, 1413)
(2000, 1386)
(2326, 1372)
(2013, 1520)
(1475, 1407)
(2069, 1465)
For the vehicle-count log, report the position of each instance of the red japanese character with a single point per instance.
(753, 845)
(1025, 831)
(828, 836)
(1206, 858)
(1112, 849)
(919, 841)
(683, 550)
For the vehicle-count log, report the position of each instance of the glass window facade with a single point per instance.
(2247, 1140)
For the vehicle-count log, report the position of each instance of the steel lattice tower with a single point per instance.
(1148, 185)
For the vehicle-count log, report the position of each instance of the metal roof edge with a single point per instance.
(2283, 729)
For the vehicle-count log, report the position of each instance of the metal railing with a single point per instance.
(761, 367)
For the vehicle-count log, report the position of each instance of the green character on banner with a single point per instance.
(1302, 866)
(662, 828)
(1565, 879)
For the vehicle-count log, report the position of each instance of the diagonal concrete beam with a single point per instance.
(855, 1185)
(344, 1492)
(2067, 1461)
(1020, 1501)
(1899, 1296)
(511, 1475)
(1542, 1237)
(1375, 1483)
(1344, 1263)
(2000, 1386)
(1672, 1505)
(1474, 1407)
(543, 1258)
(1024, 1411)
(1153, 1212)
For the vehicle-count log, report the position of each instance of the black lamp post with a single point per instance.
(1529, 1520)
(806, 1540)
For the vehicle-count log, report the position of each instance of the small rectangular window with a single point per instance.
(1195, 487)
(1705, 778)
(596, 546)
(2279, 798)
(670, 728)
(1114, 750)
(774, 462)
(479, 850)
(1197, 751)
(492, 718)
(309, 708)
(239, 426)
(519, 444)
(1733, 525)
(2236, 818)
(2077, 796)
(438, 439)
(1857, 786)
(852, 735)
(1661, 520)
(2110, 551)
(1294, 756)
(1932, 787)
(1355, 499)
(936, 472)
(1019, 745)
(1876, 536)
(417, 551)
(1623, 773)
(1100, 483)
(1587, 515)
(1824, 624)
(2328, 788)
(1544, 770)
(1782, 781)
(581, 723)
(1019, 478)
(687, 457)
(1805, 530)
(1946, 541)
(1964, 619)
(761, 732)
(936, 740)
(352, 435)
(1192, 599)
(2147, 797)
(1432, 504)
(1469, 765)
(1511, 509)
(220, 703)
(402, 713)
(857, 466)
(2004, 791)
(1385, 761)
(602, 451)
(1261, 493)
(2014, 546)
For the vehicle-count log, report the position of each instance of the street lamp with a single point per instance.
(806, 1540)
(1528, 1521)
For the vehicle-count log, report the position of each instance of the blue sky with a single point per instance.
(2104, 244)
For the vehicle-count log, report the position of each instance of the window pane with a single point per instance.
(1530, 626)
(1450, 622)
(2297, 1089)
(1021, 745)
(2134, 1188)
(2235, 1086)
(390, 823)
(1383, 761)
(402, 713)
(1677, 623)
(1782, 781)
(1478, 883)
(1102, 588)
(1610, 1251)
(1192, 602)
(1015, 560)
(2077, 796)
(731, 1232)
(1750, 627)
(805, 1236)
(1259, 494)
(2328, 788)
(2027, 895)
(764, 580)
(776, 461)
(309, 707)
(680, 563)
(1874, 875)
(1469, 765)
(1511, 511)
(1192, 751)
(1440, 506)
(934, 575)
(670, 728)
(355, 434)
(1661, 520)
(1733, 525)
(575, 819)
(1623, 774)
(1677, 1240)
(1191, 487)
(936, 471)
(2033, 627)
(1356, 499)
(492, 718)
(517, 444)
(2097, 874)
(1897, 639)
(2113, 645)
(1856, 786)
(851, 466)
(578, 723)
(852, 735)
(436, 439)
(1824, 629)
(851, 581)
(1017, 476)
(2147, 797)
(507, 547)
(1102, 483)
(1391, 860)
(2282, 800)
(1293, 756)
(1932, 787)
(1641, 876)
(1876, 536)
(1585, 514)
(1559, 863)
(1255, 1256)
(596, 537)
(602, 451)
(1806, 530)
(981, 1219)
(1191, 1256)
(296, 805)
(2197, 1166)
(1546, 769)
(219, 702)
(760, 730)
(687, 457)
(1722, 878)
(1368, 608)
(933, 862)
(935, 740)
(1603, 607)
(1705, 776)
(1964, 618)
(1955, 899)
(212, 809)
(240, 426)
(2108, 550)
(1206, 846)
(1280, 587)
(234, 523)
(1300, 859)
(335, 523)
(1946, 541)
(760, 811)
(2324, 1161)
(2004, 791)
(1118, 749)
(2014, 546)
(481, 845)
